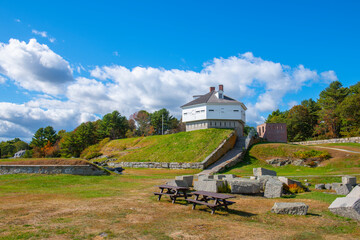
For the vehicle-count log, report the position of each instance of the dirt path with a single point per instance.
(338, 149)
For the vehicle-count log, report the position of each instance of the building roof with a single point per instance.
(210, 97)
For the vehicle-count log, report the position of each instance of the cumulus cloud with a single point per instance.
(2, 79)
(34, 66)
(260, 84)
(11, 131)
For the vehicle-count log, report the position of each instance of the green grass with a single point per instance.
(192, 146)
(354, 145)
(256, 156)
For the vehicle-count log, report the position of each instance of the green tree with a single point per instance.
(329, 118)
(298, 124)
(142, 121)
(161, 120)
(313, 109)
(349, 111)
(277, 117)
(44, 135)
(113, 125)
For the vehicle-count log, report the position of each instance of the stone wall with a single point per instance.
(334, 140)
(53, 169)
(223, 148)
(220, 151)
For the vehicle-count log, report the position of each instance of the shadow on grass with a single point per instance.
(313, 214)
(230, 211)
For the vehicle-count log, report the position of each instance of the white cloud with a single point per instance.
(2, 79)
(292, 103)
(259, 83)
(17, 20)
(34, 66)
(329, 76)
(43, 34)
(11, 131)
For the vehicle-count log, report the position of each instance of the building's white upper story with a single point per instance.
(213, 106)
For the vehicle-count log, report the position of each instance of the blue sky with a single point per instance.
(88, 58)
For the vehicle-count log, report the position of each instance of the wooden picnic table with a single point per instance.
(172, 191)
(217, 200)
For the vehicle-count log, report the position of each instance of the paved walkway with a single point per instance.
(338, 149)
(224, 160)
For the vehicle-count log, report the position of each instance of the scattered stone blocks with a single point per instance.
(209, 185)
(273, 188)
(219, 177)
(187, 178)
(244, 186)
(264, 179)
(349, 180)
(355, 192)
(263, 171)
(320, 186)
(296, 208)
(346, 207)
(307, 184)
(344, 189)
(328, 186)
(177, 183)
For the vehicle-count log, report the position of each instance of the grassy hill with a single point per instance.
(192, 146)
(338, 163)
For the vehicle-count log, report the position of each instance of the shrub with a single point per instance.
(312, 153)
(294, 188)
(94, 150)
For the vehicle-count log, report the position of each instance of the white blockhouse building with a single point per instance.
(214, 110)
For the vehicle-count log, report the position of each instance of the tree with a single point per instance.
(329, 118)
(298, 123)
(277, 117)
(161, 120)
(349, 111)
(313, 109)
(142, 121)
(113, 125)
(44, 135)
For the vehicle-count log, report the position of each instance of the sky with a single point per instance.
(69, 62)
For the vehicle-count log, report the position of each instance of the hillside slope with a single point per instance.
(339, 162)
(192, 146)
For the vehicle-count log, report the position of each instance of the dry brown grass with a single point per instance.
(136, 214)
(45, 161)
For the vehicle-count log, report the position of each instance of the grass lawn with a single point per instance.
(124, 207)
(192, 146)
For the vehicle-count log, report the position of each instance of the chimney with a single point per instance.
(212, 89)
(221, 87)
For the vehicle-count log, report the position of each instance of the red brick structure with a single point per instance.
(273, 132)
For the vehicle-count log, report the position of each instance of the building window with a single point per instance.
(220, 95)
(185, 113)
(236, 110)
(211, 110)
(197, 111)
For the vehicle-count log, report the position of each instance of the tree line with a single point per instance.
(335, 114)
(46, 142)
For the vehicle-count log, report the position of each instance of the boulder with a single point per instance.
(244, 186)
(320, 186)
(263, 171)
(295, 208)
(230, 176)
(264, 179)
(219, 177)
(344, 189)
(349, 180)
(328, 186)
(355, 192)
(346, 207)
(187, 178)
(210, 185)
(252, 178)
(205, 177)
(307, 184)
(335, 185)
(177, 183)
(288, 181)
(273, 188)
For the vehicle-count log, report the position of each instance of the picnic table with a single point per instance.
(217, 200)
(172, 191)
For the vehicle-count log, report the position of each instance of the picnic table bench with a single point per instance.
(217, 200)
(173, 192)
